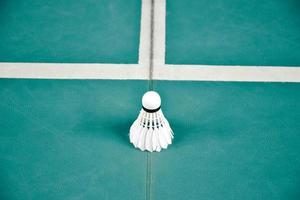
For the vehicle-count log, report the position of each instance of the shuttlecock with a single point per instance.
(151, 130)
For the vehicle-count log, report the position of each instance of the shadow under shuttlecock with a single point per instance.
(110, 130)
(121, 130)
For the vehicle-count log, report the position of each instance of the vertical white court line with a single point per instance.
(145, 26)
(159, 36)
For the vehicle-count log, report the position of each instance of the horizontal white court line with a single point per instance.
(228, 73)
(138, 72)
(73, 71)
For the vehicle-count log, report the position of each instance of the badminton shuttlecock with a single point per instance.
(151, 130)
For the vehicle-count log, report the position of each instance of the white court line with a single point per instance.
(144, 47)
(72, 71)
(230, 73)
(161, 71)
(159, 34)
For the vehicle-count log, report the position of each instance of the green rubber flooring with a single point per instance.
(83, 31)
(233, 32)
(68, 139)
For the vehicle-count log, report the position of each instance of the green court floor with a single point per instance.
(225, 33)
(68, 139)
(85, 31)
(233, 32)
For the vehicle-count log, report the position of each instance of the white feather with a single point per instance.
(151, 132)
(149, 145)
(154, 139)
(133, 132)
(142, 138)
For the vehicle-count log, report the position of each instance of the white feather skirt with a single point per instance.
(151, 131)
